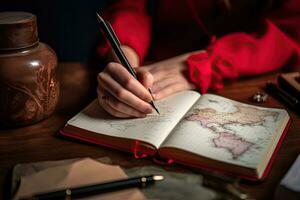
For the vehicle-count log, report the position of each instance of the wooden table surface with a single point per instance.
(39, 142)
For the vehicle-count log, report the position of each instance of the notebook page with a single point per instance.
(152, 129)
(229, 131)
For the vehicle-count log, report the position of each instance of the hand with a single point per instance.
(120, 94)
(169, 76)
(123, 96)
(130, 54)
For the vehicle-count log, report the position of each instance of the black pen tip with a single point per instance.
(157, 110)
(153, 105)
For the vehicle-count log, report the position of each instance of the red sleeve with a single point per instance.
(131, 24)
(242, 54)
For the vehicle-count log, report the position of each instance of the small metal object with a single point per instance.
(260, 97)
(68, 194)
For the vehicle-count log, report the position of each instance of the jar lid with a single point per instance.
(17, 30)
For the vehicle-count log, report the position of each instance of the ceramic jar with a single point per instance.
(29, 85)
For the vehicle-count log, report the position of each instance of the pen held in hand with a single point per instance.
(116, 46)
(142, 181)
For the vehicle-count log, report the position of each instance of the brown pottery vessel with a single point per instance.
(29, 86)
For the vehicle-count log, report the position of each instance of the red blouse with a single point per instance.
(186, 25)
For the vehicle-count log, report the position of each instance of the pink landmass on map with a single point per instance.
(233, 143)
(199, 118)
(243, 115)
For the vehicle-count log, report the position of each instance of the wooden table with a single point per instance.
(39, 142)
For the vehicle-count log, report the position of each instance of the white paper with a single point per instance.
(152, 129)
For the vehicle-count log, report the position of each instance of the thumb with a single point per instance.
(145, 78)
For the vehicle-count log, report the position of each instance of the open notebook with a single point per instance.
(206, 131)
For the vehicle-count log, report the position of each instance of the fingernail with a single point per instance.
(154, 95)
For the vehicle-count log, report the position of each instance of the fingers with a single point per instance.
(169, 77)
(131, 55)
(160, 71)
(145, 78)
(127, 81)
(102, 101)
(161, 84)
(122, 94)
(125, 96)
(115, 107)
(128, 97)
(169, 86)
(112, 111)
(159, 74)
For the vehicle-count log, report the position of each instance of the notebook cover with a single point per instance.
(139, 149)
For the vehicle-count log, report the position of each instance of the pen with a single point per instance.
(141, 181)
(116, 45)
(286, 97)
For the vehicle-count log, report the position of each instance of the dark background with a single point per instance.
(68, 26)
